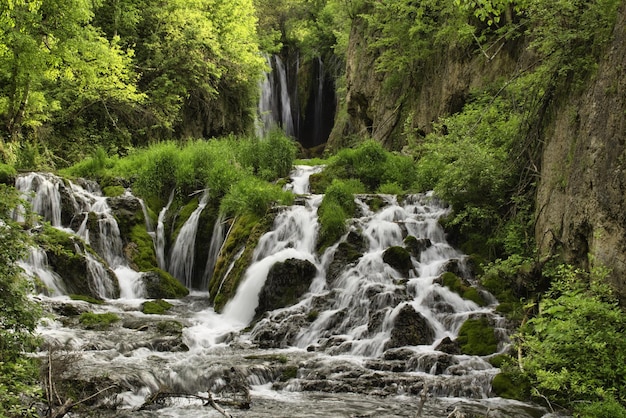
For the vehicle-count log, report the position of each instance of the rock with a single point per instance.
(286, 282)
(477, 337)
(347, 253)
(161, 285)
(410, 328)
(448, 346)
(417, 246)
(398, 258)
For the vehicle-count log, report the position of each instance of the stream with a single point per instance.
(347, 348)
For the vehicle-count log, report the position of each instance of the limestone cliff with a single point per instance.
(375, 107)
(581, 197)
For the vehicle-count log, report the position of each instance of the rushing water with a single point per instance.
(333, 354)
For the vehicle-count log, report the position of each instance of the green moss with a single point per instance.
(165, 286)
(141, 251)
(113, 191)
(245, 233)
(155, 307)
(398, 258)
(312, 315)
(376, 202)
(511, 385)
(289, 372)
(454, 283)
(87, 299)
(477, 337)
(91, 320)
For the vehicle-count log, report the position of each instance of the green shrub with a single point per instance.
(253, 196)
(608, 408)
(7, 174)
(390, 188)
(91, 320)
(575, 348)
(336, 207)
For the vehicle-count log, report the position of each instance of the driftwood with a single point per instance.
(159, 397)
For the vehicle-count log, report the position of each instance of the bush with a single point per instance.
(253, 196)
(336, 207)
(575, 348)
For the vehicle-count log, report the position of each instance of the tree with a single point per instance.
(18, 315)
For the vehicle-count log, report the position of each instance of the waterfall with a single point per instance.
(274, 106)
(183, 252)
(160, 234)
(300, 178)
(293, 236)
(42, 192)
(317, 119)
(36, 266)
(217, 240)
(45, 192)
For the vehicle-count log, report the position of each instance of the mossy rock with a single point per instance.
(90, 320)
(71, 264)
(410, 328)
(347, 253)
(155, 307)
(140, 249)
(456, 284)
(477, 337)
(88, 299)
(398, 258)
(417, 246)
(237, 251)
(288, 373)
(511, 385)
(286, 282)
(173, 328)
(162, 285)
(318, 182)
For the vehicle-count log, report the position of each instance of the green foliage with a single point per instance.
(477, 338)
(575, 348)
(18, 314)
(155, 307)
(269, 158)
(253, 196)
(7, 174)
(511, 384)
(608, 408)
(143, 255)
(102, 321)
(336, 207)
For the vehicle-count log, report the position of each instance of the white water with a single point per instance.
(274, 107)
(44, 192)
(217, 240)
(160, 234)
(182, 254)
(362, 290)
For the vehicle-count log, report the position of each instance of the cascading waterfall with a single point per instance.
(36, 266)
(337, 346)
(274, 107)
(46, 192)
(160, 234)
(217, 240)
(182, 254)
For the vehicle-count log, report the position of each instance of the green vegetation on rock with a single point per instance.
(96, 321)
(456, 284)
(477, 337)
(155, 307)
(162, 285)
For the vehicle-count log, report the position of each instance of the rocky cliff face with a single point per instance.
(381, 109)
(581, 196)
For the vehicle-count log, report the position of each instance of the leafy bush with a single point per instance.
(336, 207)
(575, 348)
(253, 196)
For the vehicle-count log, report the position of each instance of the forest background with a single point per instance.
(145, 88)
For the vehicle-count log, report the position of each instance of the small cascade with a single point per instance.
(293, 236)
(285, 102)
(42, 192)
(300, 178)
(182, 254)
(217, 240)
(36, 266)
(86, 213)
(160, 234)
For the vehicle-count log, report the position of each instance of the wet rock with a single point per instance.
(416, 246)
(398, 258)
(449, 346)
(431, 363)
(410, 328)
(270, 334)
(347, 253)
(399, 354)
(160, 284)
(286, 282)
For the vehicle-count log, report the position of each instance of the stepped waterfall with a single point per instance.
(364, 336)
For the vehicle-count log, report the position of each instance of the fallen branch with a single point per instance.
(217, 407)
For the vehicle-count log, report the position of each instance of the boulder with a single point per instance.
(410, 328)
(398, 258)
(286, 282)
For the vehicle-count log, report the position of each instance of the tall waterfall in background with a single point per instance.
(274, 105)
